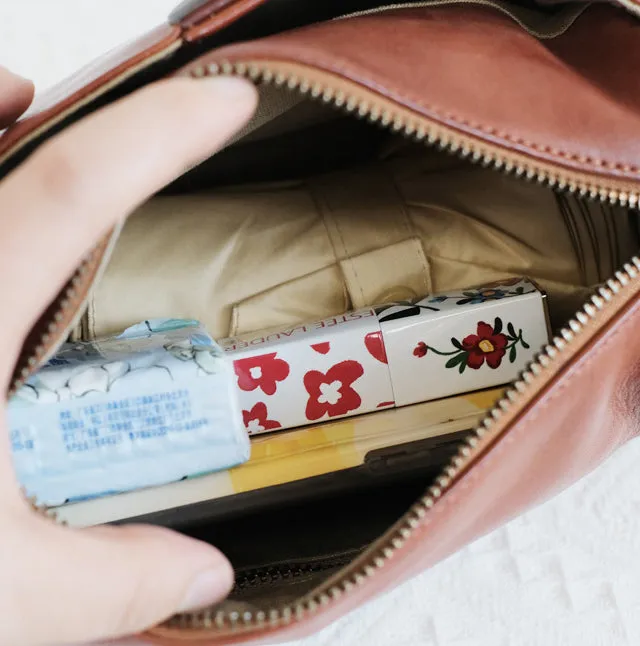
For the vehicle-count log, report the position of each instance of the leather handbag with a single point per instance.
(541, 91)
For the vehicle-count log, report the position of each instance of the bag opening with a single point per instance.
(471, 223)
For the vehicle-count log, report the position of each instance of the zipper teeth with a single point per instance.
(220, 619)
(417, 129)
(282, 571)
(42, 348)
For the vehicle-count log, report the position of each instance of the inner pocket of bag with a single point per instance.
(542, 19)
(287, 566)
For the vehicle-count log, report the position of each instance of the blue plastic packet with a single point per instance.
(153, 405)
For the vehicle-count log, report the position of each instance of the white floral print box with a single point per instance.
(151, 406)
(463, 341)
(386, 356)
(311, 372)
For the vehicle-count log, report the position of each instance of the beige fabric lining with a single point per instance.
(409, 224)
(371, 234)
(396, 272)
(280, 112)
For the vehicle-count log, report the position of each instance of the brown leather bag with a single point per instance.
(548, 93)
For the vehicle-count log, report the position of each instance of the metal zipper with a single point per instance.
(609, 299)
(57, 327)
(276, 573)
(65, 314)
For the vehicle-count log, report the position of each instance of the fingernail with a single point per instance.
(206, 589)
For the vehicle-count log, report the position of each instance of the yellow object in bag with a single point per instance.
(289, 456)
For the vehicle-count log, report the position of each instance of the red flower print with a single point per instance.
(256, 419)
(322, 348)
(420, 350)
(485, 345)
(263, 371)
(332, 393)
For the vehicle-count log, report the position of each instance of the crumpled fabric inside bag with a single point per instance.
(411, 222)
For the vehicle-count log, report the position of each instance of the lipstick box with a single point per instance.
(391, 355)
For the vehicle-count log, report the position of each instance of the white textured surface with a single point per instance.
(566, 574)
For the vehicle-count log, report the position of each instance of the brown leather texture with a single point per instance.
(215, 15)
(191, 12)
(572, 100)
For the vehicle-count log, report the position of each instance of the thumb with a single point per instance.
(77, 586)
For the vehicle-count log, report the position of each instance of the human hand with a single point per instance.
(60, 585)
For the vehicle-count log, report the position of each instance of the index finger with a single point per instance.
(74, 189)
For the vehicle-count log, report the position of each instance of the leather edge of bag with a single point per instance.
(87, 85)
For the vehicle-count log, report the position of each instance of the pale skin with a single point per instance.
(58, 585)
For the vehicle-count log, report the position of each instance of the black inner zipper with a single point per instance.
(277, 574)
